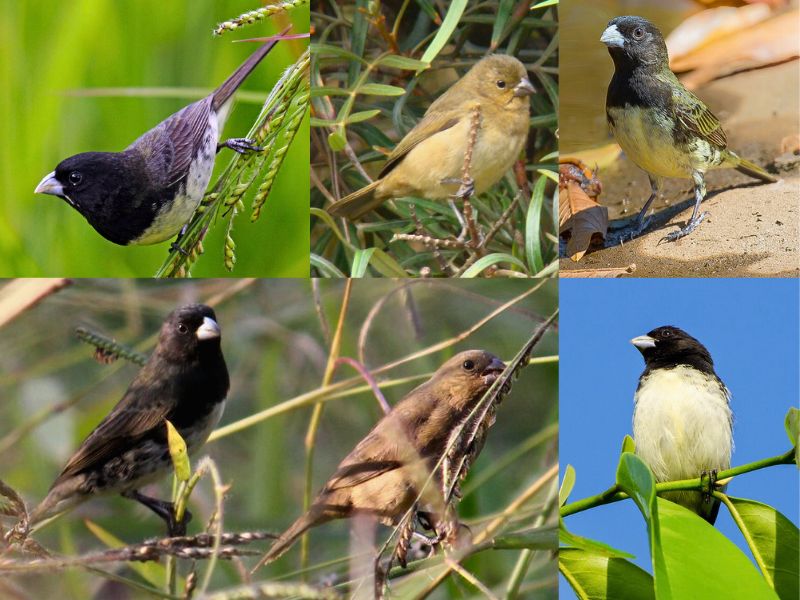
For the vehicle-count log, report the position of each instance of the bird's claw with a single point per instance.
(709, 480)
(466, 189)
(638, 227)
(178, 528)
(690, 227)
(240, 145)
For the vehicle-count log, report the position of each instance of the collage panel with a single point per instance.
(665, 105)
(691, 379)
(112, 117)
(367, 403)
(434, 139)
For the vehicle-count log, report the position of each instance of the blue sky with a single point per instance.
(750, 326)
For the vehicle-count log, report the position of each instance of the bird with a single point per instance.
(385, 474)
(682, 419)
(661, 126)
(147, 193)
(429, 161)
(185, 381)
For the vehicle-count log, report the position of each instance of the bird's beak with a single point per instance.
(644, 341)
(50, 185)
(496, 366)
(524, 88)
(208, 330)
(612, 37)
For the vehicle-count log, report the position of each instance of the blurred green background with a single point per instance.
(276, 348)
(48, 49)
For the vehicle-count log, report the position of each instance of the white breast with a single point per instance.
(682, 423)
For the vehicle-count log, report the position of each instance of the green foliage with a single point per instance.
(148, 58)
(689, 556)
(373, 75)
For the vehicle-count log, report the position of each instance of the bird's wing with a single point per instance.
(432, 123)
(371, 458)
(171, 145)
(695, 116)
(140, 413)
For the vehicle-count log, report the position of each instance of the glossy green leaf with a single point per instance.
(628, 445)
(567, 483)
(596, 577)
(695, 560)
(571, 540)
(361, 260)
(454, 11)
(773, 540)
(533, 245)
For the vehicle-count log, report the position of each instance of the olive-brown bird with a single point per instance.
(384, 474)
(429, 161)
(185, 381)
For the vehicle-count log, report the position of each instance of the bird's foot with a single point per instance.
(638, 227)
(467, 188)
(690, 227)
(175, 246)
(165, 510)
(240, 145)
(709, 480)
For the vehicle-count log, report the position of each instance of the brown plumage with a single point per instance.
(429, 160)
(385, 472)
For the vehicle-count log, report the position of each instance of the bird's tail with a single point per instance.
(288, 537)
(356, 204)
(751, 169)
(223, 93)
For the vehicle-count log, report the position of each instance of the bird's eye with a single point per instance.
(182, 328)
(667, 333)
(468, 365)
(638, 33)
(75, 177)
(501, 84)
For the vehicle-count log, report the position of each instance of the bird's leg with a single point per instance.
(696, 218)
(240, 145)
(709, 480)
(175, 245)
(165, 510)
(460, 218)
(642, 220)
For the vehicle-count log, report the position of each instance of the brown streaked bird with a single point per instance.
(185, 381)
(429, 161)
(384, 473)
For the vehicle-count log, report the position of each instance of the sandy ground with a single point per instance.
(753, 229)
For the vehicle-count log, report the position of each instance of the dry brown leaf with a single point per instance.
(597, 273)
(601, 157)
(768, 42)
(582, 221)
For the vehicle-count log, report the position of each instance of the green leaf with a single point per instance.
(695, 560)
(177, 450)
(451, 20)
(596, 577)
(567, 538)
(361, 261)
(492, 259)
(544, 4)
(386, 265)
(363, 115)
(567, 483)
(792, 424)
(504, 10)
(628, 445)
(325, 267)
(380, 89)
(329, 90)
(402, 62)
(541, 538)
(635, 479)
(325, 50)
(533, 243)
(337, 140)
(773, 540)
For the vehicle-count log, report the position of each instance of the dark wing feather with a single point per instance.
(139, 414)
(168, 148)
(697, 118)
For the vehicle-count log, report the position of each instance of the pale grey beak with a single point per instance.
(208, 330)
(524, 88)
(50, 185)
(644, 341)
(612, 37)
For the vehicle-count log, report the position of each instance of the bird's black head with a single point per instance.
(635, 41)
(666, 347)
(189, 332)
(102, 186)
